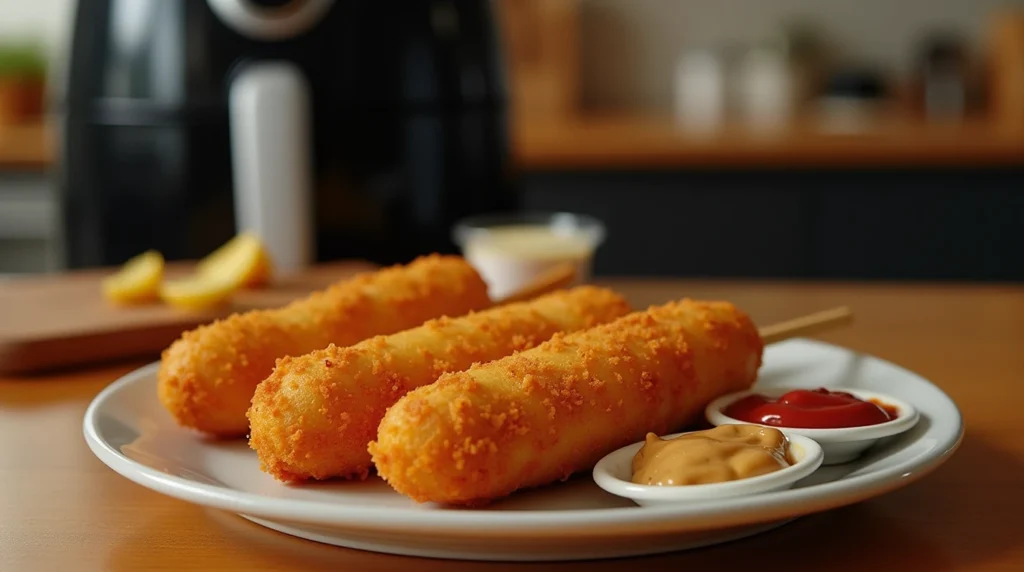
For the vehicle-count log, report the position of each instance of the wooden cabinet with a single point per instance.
(542, 48)
(28, 205)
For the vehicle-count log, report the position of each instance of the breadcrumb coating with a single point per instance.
(541, 415)
(208, 376)
(314, 416)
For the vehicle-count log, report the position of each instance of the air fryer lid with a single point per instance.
(168, 58)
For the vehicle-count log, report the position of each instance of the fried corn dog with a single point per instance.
(314, 416)
(208, 376)
(538, 416)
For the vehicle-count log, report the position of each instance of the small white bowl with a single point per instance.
(840, 445)
(565, 238)
(613, 472)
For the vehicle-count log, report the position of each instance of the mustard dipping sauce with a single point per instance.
(725, 453)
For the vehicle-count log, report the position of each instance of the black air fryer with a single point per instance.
(332, 128)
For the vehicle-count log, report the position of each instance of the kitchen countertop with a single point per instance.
(61, 509)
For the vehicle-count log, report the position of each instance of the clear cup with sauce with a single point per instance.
(509, 250)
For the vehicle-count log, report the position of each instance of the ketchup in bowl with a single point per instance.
(810, 409)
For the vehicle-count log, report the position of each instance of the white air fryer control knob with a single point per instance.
(270, 21)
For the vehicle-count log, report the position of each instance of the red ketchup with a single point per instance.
(810, 409)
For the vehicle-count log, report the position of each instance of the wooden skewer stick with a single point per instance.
(809, 324)
(558, 277)
(563, 275)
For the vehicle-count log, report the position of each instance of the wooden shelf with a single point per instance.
(625, 141)
(630, 141)
(25, 146)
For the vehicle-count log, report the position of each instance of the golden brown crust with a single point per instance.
(207, 377)
(543, 414)
(315, 414)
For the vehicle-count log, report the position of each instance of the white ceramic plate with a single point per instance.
(127, 429)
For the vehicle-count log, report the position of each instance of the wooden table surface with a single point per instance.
(61, 509)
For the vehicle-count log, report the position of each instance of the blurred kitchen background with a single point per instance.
(841, 139)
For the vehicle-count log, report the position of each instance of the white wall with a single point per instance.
(45, 20)
(630, 46)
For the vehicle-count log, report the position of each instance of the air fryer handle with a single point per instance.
(271, 160)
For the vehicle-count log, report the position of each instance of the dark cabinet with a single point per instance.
(888, 224)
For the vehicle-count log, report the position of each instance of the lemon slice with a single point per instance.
(138, 280)
(242, 260)
(197, 292)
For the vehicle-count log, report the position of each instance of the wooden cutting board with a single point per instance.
(63, 320)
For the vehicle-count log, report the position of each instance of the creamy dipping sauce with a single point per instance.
(533, 242)
(725, 453)
(510, 256)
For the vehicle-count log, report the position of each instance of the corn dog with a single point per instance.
(538, 416)
(208, 376)
(314, 416)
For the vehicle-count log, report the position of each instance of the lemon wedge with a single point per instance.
(138, 281)
(197, 292)
(243, 260)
